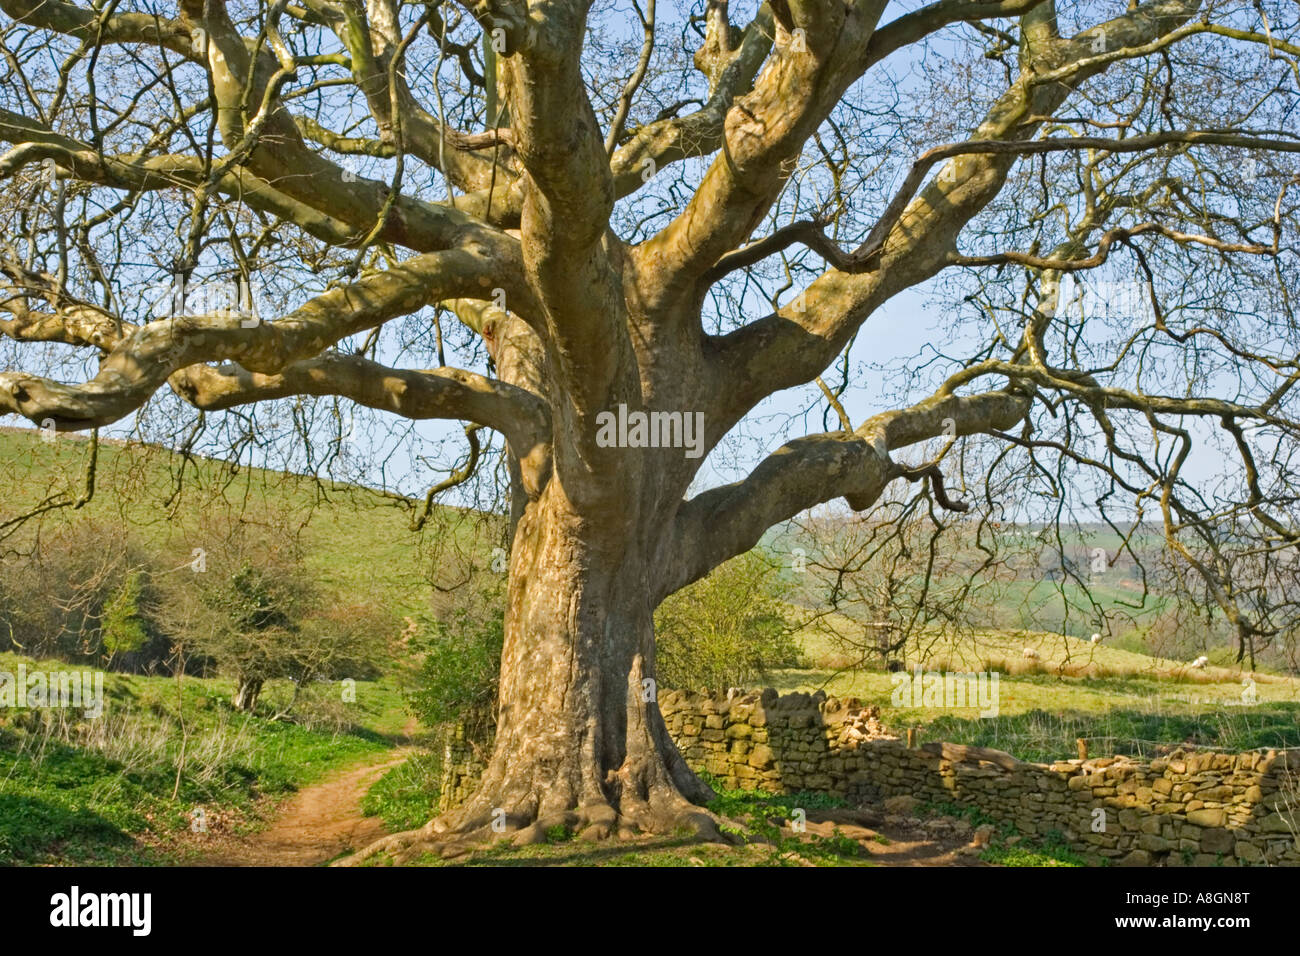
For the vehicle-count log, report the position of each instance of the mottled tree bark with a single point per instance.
(247, 691)
(580, 740)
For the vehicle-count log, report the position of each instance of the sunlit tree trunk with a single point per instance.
(580, 741)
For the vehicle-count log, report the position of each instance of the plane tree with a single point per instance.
(621, 212)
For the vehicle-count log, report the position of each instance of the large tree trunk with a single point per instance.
(580, 741)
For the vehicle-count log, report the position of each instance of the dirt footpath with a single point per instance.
(315, 825)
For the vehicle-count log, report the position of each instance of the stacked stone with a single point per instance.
(1189, 808)
(1200, 809)
(462, 765)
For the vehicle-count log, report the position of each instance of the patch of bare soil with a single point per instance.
(317, 824)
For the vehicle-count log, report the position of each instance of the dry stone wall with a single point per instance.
(1187, 808)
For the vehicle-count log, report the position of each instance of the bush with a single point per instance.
(458, 642)
(458, 679)
(125, 630)
(77, 599)
(727, 630)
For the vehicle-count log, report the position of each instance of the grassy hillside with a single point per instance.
(358, 541)
(108, 790)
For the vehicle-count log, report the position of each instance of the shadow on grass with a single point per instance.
(34, 830)
(662, 851)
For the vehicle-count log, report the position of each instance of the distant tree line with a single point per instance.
(246, 607)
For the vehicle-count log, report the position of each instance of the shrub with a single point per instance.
(259, 614)
(124, 629)
(727, 630)
(458, 679)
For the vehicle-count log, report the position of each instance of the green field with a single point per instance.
(357, 541)
(1119, 700)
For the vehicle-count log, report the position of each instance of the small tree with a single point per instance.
(458, 679)
(245, 609)
(903, 577)
(460, 640)
(253, 625)
(124, 629)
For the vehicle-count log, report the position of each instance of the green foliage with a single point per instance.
(257, 598)
(558, 834)
(728, 630)
(76, 790)
(742, 803)
(123, 625)
(458, 679)
(46, 805)
(1051, 851)
(837, 845)
(259, 614)
(406, 796)
(79, 600)
(58, 572)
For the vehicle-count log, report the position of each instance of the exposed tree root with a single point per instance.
(465, 830)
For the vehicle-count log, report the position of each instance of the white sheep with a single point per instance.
(1029, 654)
(1200, 662)
(1096, 639)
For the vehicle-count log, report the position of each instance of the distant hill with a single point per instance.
(358, 539)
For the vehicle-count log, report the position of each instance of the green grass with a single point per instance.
(558, 834)
(970, 813)
(1049, 850)
(1045, 736)
(1024, 854)
(1118, 700)
(100, 791)
(406, 797)
(763, 814)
